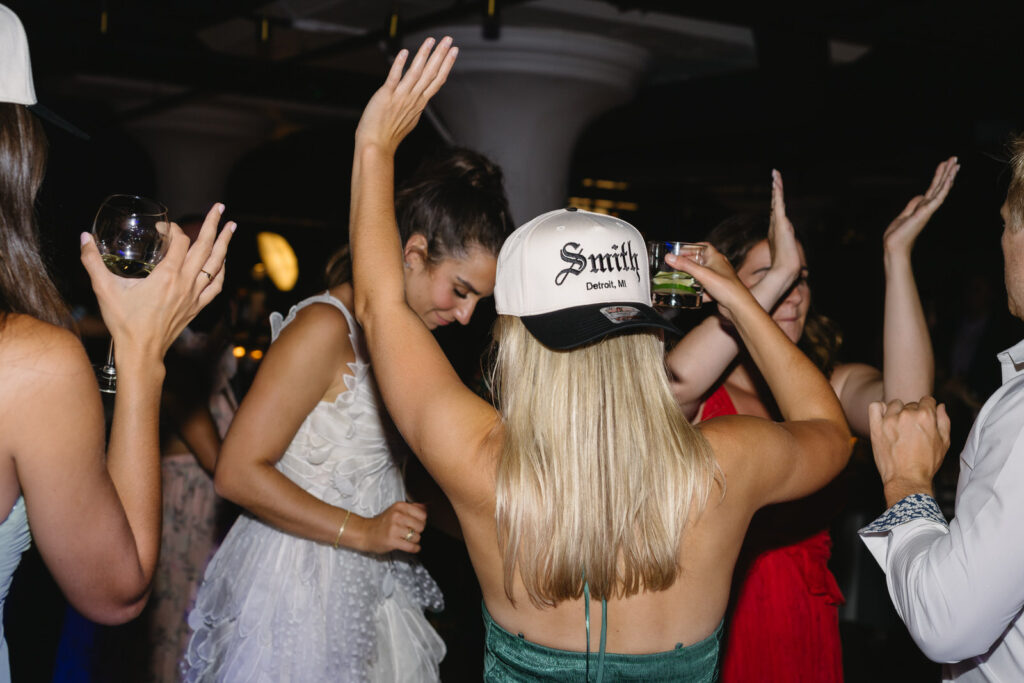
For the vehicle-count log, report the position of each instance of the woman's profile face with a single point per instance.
(790, 313)
(448, 291)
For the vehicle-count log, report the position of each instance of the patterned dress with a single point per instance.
(278, 608)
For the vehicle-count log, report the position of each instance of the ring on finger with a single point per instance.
(208, 276)
(409, 534)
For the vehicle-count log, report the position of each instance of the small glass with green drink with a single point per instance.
(671, 288)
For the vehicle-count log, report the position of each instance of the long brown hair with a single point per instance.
(734, 238)
(25, 286)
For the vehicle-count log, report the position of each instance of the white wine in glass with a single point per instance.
(132, 235)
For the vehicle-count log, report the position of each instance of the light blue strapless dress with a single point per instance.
(14, 540)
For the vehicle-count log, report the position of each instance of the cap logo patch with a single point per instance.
(621, 314)
(621, 258)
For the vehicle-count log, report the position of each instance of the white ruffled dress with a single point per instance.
(282, 609)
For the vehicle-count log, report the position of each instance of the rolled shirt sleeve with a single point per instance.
(959, 588)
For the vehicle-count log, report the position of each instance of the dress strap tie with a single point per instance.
(604, 630)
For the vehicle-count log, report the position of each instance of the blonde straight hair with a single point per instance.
(599, 469)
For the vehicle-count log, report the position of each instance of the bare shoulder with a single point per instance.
(319, 328)
(49, 386)
(321, 315)
(747, 449)
(32, 350)
(307, 361)
(729, 436)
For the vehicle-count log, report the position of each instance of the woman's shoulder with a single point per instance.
(741, 444)
(322, 315)
(36, 355)
(724, 434)
(318, 332)
(27, 342)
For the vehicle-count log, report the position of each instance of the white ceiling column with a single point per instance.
(194, 148)
(524, 99)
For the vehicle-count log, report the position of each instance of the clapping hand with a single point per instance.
(904, 229)
(782, 242)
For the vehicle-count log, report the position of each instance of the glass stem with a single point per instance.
(109, 367)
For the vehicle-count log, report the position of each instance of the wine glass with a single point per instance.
(131, 233)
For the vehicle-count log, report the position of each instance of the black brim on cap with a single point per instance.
(50, 117)
(568, 328)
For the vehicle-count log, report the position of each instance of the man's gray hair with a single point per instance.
(1015, 195)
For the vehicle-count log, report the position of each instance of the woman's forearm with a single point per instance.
(199, 432)
(133, 462)
(698, 360)
(274, 498)
(908, 365)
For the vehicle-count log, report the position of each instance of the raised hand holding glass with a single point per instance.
(672, 288)
(132, 235)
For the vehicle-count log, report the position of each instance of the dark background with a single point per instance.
(854, 140)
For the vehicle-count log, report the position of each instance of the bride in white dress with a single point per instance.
(318, 582)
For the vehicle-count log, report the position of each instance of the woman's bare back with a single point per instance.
(687, 612)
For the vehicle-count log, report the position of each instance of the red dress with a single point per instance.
(783, 623)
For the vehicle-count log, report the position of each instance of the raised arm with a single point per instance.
(443, 422)
(908, 364)
(803, 453)
(698, 360)
(96, 520)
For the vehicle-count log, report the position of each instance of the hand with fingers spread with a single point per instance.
(782, 242)
(909, 442)
(395, 108)
(899, 237)
(397, 528)
(149, 313)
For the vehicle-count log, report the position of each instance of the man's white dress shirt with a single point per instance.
(960, 588)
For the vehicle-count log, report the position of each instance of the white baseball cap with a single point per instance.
(573, 276)
(16, 84)
(15, 65)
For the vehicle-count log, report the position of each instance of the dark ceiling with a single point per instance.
(855, 137)
(913, 45)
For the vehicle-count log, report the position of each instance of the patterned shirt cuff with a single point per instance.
(916, 506)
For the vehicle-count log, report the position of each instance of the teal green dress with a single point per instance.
(509, 658)
(14, 540)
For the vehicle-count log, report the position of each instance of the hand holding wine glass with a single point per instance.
(145, 314)
(131, 233)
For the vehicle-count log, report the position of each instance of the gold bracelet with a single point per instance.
(341, 530)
